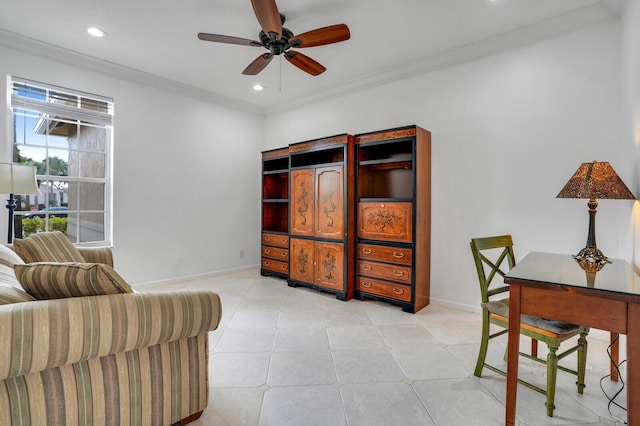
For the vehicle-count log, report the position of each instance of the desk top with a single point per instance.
(551, 268)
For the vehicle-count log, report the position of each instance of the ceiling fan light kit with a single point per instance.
(279, 40)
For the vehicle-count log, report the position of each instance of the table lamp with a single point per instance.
(591, 181)
(16, 179)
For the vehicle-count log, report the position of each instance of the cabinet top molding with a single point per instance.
(403, 132)
(275, 153)
(319, 143)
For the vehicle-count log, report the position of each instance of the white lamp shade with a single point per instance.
(18, 179)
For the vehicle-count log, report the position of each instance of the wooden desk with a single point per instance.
(554, 286)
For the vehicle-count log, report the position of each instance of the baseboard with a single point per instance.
(185, 278)
(458, 306)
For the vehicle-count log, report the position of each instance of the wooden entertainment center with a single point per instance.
(351, 215)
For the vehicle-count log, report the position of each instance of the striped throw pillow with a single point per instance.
(47, 247)
(10, 294)
(48, 280)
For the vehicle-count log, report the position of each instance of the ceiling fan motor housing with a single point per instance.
(277, 47)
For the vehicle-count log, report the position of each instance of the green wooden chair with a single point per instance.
(496, 312)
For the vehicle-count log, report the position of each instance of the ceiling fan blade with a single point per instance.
(321, 36)
(305, 63)
(258, 64)
(268, 16)
(228, 39)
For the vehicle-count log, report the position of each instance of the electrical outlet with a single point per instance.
(209, 258)
(241, 254)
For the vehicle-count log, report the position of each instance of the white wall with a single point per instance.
(186, 173)
(507, 133)
(631, 81)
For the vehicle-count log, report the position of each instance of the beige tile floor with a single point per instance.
(294, 356)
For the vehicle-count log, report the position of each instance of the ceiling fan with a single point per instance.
(279, 40)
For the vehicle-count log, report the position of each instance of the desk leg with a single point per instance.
(615, 344)
(633, 362)
(513, 347)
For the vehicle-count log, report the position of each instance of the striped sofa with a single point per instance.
(123, 359)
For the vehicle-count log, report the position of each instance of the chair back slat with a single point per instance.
(486, 267)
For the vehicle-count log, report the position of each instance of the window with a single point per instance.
(67, 135)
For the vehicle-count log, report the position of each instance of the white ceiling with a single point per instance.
(155, 40)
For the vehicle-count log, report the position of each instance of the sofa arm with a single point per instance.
(97, 255)
(35, 336)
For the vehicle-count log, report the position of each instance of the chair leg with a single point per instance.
(552, 371)
(582, 360)
(484, 344)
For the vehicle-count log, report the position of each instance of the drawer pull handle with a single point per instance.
(397, 290)
(398, 254)
(283, 241)
(366, 284)
(284, 267)
(367, 251)
(267, 263)
(398, 274)
(367, 267)
(267, 238)
(267, 251)
(283, 254)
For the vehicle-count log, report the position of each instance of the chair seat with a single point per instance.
(501, 307)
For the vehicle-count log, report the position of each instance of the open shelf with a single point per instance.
(387, 180)
(275, 185)
(275, 216)
(396, 151)
(316, 158)
(276, 164)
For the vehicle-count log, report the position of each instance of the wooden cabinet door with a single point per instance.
(390, 221)
(302, 208)
(329, 211)
(301, 257)
(329, 265)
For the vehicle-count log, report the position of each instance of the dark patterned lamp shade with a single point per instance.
(594, 180)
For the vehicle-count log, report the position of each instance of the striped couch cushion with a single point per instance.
(47, 247)
(46, 280)
(156, 385)
(51, 333)
(97, 255)
(10, 294)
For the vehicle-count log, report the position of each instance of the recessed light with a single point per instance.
(258, 87)
(96, 32)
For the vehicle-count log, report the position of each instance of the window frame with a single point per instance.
(82, 110)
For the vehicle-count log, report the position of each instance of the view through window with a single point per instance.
(67, 135)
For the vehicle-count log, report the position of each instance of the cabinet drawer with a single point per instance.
(276, 253)
(388, 272)
(275, 265)
(399, 255)
(390, 290)
(391, 221)
(275, 240)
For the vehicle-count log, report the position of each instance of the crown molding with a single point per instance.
(45, 50)
(552, 28)
(596, 14)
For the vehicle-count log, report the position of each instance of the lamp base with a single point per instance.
(591, 259)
